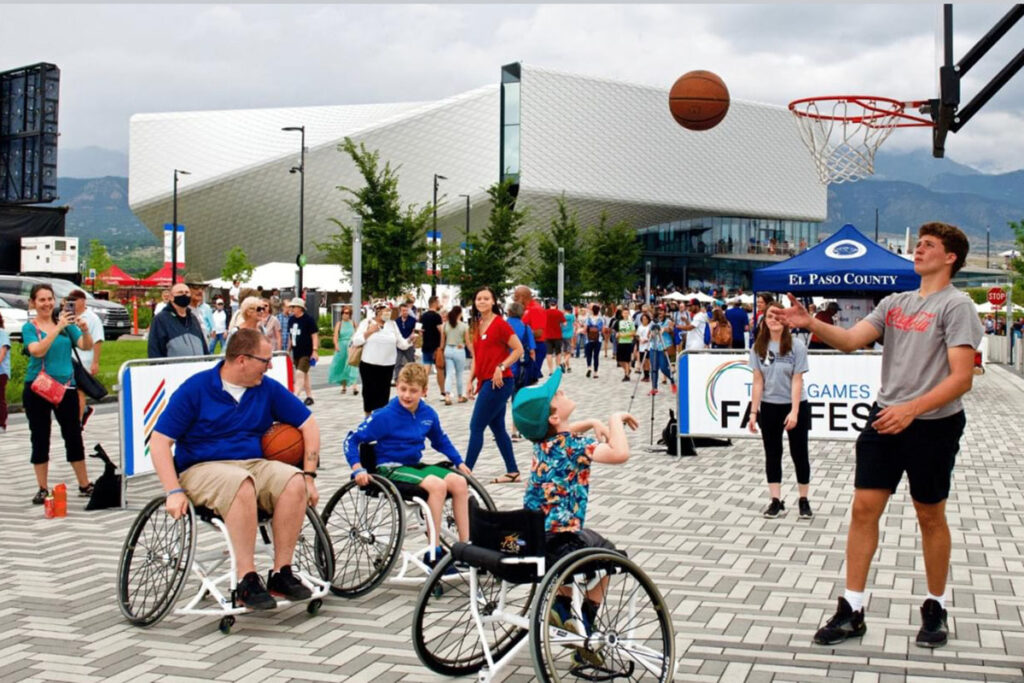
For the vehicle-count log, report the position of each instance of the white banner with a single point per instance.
(715, 388)
(147, 385)
(181, 244)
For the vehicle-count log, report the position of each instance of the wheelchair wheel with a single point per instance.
(155, 561)
(630, 637)
(314, 553)
(366, 527)
(449, 534)
(444, 633)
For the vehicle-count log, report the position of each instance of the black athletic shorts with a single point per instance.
(926, 450)
(561, 544)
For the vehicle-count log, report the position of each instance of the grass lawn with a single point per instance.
(112, 355)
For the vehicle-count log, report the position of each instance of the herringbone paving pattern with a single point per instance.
(746, 593)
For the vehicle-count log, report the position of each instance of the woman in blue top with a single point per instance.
(48, 340)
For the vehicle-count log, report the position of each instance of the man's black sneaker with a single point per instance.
(252, 594)
(40, 496)
(805, 509)
(774, 509)
(284, 584)
(845, 623)
(934, 631)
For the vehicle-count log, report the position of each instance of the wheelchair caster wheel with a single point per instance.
(314, 606)
(225, 625)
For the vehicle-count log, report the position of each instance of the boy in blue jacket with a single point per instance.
(398, 432)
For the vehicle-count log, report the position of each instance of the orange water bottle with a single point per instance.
(60, 500)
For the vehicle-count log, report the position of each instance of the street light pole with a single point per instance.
(174, 228)
(466, 256)
(300, 260)
(988, 237)
(433, 260)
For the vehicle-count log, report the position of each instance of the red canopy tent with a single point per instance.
(162, 277)
(116, 276)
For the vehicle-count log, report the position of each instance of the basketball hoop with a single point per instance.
(843, 132)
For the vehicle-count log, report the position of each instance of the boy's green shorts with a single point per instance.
(413, 474)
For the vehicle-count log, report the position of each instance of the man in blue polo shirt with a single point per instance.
(217, 418)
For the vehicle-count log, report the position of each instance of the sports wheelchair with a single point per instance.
(367, 526)
(159, 553)
(477, 620)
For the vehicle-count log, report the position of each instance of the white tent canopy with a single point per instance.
(326, 277)
(986, 308)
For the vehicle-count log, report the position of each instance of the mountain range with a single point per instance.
(908, 189)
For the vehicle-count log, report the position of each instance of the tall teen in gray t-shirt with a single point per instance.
(917, 331)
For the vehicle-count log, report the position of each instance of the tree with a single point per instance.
(613, 252)
(565, 233)
(394, 243)
(1017, 264)
(237, 266)
(494, 254)
(99, 260)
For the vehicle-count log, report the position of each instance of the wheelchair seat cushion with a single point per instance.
(215, 484)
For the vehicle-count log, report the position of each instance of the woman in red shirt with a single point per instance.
(495, 347)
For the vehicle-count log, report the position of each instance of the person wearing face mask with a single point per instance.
(175, 331)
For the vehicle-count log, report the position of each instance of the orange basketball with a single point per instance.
(285, 443)
(698, 100)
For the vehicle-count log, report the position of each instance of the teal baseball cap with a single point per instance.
(531, 407)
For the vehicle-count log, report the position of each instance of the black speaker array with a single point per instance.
(28, 134)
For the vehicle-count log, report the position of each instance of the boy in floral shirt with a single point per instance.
(559, 482)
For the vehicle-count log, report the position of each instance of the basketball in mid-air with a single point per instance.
(698, 100)
(285, 443)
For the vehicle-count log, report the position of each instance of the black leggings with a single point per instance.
(376, 381)
(38, 409)
(772, 420)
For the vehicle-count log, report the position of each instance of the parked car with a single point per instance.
(15, 314)
(114, 316)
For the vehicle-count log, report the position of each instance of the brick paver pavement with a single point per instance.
(746, 593)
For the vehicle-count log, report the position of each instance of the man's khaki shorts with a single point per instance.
(215, 484)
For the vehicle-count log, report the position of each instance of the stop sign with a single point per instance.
(996, 296)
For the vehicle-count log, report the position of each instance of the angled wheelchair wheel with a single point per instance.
(155, 562)
(449, 534)
(366, 527)
(628, 638)
(444, 632)
(314, 553)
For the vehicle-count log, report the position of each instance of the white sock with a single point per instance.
(941, 599)
(855, 598)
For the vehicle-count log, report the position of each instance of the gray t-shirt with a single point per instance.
(917, 332)
(778, 371)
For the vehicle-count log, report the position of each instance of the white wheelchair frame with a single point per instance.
(216, 581)
(487, 609)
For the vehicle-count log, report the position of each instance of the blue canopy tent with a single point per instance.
(847, 262)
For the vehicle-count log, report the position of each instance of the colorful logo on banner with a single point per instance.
(716, 376)
(154, 408)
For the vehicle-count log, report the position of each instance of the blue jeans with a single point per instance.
(218, 339)
(593, 353)
(454, 358)
(489, 411)
(659, 361)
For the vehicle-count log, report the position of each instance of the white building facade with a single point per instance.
(608, 146)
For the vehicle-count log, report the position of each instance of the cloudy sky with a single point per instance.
(120, 59)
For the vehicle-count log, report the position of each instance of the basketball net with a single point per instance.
(843, 132)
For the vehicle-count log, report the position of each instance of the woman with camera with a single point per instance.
(48, 339)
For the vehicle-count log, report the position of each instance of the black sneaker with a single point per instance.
(805, 509)
(845, 623)
(934, 631)
(588, 372)
(89, 410)
(774, 509)
(251, 593)
(309, 400)
(284, 584)
(40, 496)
